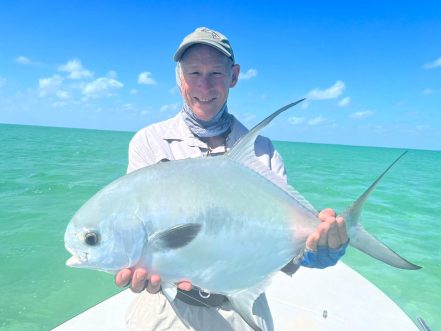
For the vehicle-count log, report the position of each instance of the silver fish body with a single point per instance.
(250, 228)
(225, 223)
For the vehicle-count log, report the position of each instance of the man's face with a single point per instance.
(206, 77)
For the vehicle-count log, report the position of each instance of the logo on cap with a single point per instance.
(214, 35)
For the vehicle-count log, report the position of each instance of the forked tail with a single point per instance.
(363, 240)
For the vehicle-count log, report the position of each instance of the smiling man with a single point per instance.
(206, 77)
(205, 72)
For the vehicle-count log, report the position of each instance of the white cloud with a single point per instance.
(49, 85)
(428, 91)
(317, 120)
(63, 94)
(251, 73)
(361, 114)
(171, 106)
(133, 91)
(23, 60)
(434, 64)
(146, 79)
(103, 86)
(75, 70)
(296, 120)
(2, 82)
(344, 102)
(332, 92)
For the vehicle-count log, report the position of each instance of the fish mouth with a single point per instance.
(77, 258)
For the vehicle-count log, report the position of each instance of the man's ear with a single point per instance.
(235, 74)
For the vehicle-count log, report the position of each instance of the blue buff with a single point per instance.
(323, 257)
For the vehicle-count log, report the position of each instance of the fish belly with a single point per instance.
(248, 224)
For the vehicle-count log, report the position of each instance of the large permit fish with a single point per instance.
(226, 223)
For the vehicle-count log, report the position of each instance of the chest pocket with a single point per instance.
(171, 150)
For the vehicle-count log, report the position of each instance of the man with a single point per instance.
(205, 71)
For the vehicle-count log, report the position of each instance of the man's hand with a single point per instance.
(139, 279)
(330, 233)
(327, 244)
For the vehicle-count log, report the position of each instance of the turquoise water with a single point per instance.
(47, 173)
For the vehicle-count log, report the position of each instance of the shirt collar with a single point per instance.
(178, 130)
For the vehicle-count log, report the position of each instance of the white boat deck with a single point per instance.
(337, 298)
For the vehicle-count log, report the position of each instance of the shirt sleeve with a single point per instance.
(139, 152)
(266, 153)
(278, 166)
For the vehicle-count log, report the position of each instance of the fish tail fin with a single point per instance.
(363, 240)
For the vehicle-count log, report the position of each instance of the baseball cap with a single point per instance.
(208, 37)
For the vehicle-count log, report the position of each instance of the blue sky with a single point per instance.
(371, 70)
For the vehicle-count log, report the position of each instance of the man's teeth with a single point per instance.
(205, 100)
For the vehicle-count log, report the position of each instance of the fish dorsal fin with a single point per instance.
(243, 149)
(243, 153)
(175, 237)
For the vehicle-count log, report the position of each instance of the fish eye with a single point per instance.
(91, 238)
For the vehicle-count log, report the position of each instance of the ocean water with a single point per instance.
(47, 173)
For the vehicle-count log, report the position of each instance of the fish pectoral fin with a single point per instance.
(253, 307)
(175, 237)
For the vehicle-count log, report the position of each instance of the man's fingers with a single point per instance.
(139, 280)
(185, 285)
(323, 230)
(312, 241)
(325, 213)
(334, 240)
(123, 277)
(154, 284)
(341, 228)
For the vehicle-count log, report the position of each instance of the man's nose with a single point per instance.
(205, 82)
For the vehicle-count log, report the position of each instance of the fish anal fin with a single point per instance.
(175, 237)
(169, 290)
(252, 306)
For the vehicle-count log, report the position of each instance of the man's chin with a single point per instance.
(205, 113)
